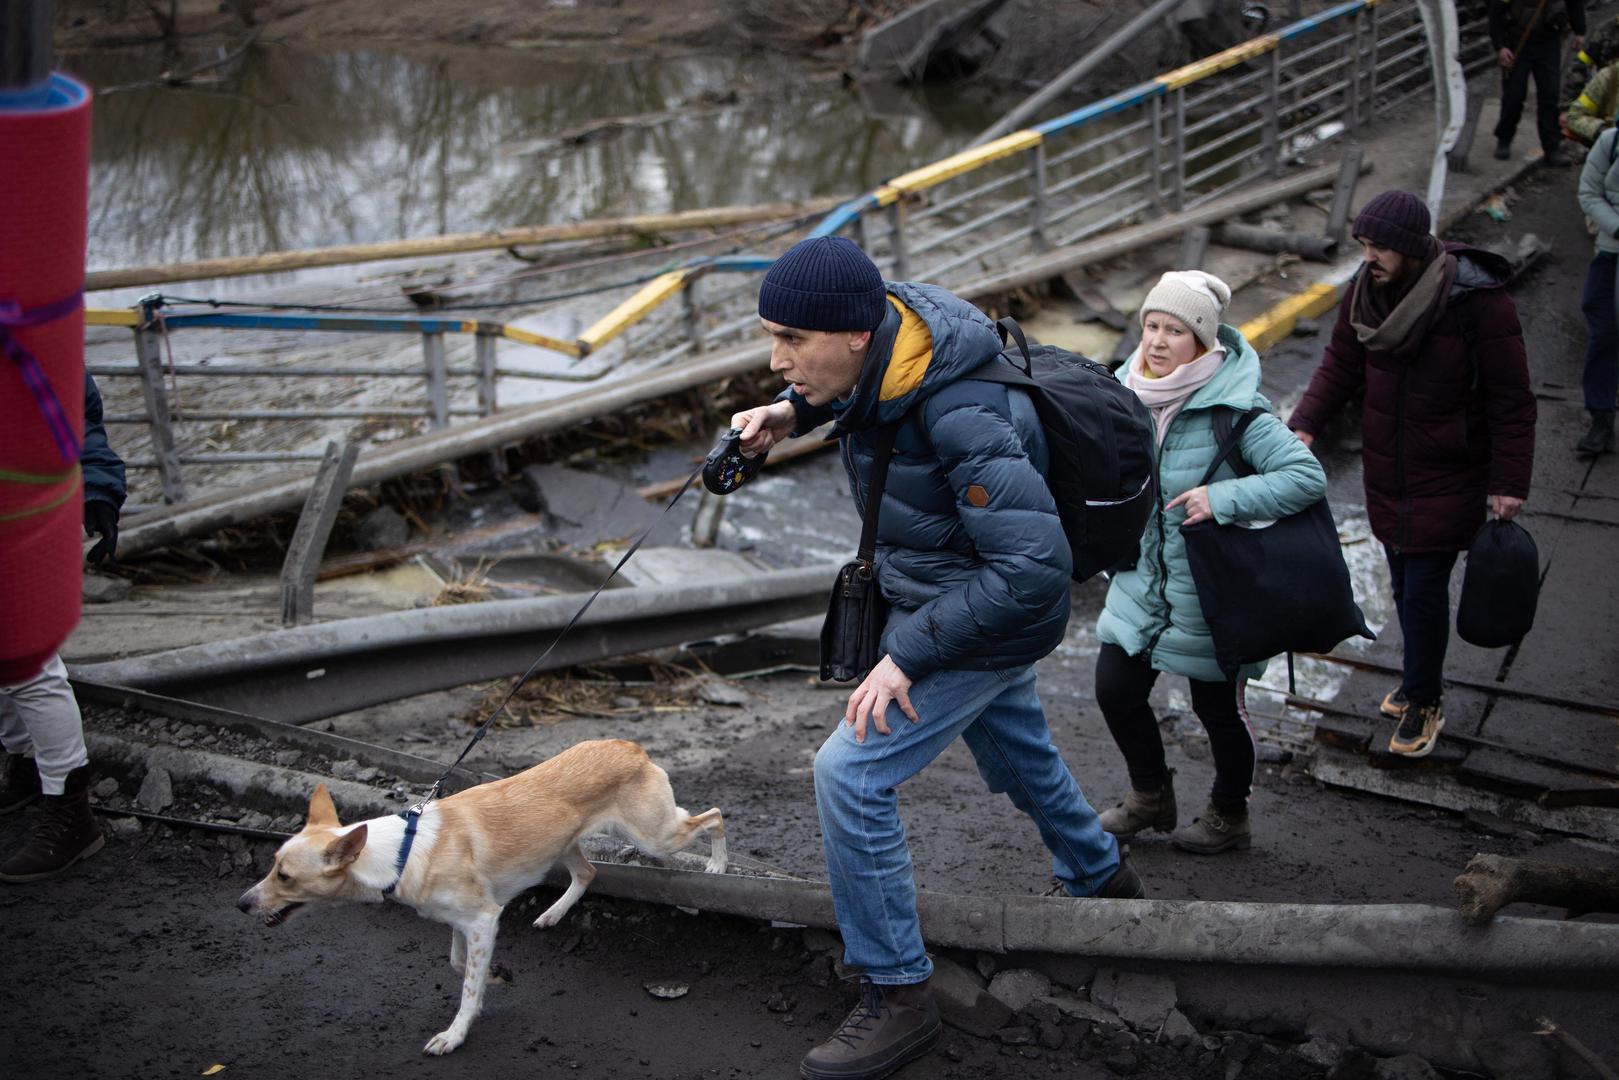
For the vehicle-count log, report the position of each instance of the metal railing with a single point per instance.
(1166, 145)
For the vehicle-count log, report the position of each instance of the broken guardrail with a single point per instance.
(311, 672)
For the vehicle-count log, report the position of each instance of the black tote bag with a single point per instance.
(851, 636)
(1280, 588)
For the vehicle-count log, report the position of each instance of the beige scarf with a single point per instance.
(1166, 395)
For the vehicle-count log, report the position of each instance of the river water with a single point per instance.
(288, 148)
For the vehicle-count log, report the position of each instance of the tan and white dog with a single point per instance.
(474, 851)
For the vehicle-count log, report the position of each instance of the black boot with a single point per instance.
(1599, 440)
(19, 782)
(891, 1026)
(64, 831)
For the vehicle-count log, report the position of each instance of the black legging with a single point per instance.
(1122, 685)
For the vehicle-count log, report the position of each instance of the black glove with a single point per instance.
(101, 519)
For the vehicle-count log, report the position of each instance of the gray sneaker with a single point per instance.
(892, 1025)
(1213, 832)
(1142, 810)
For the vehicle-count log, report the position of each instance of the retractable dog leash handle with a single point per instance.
(727, 467)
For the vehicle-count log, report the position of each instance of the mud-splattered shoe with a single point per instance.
(891, 1026)
(1394, 703)
(1212, 832)
(1142, 810)
(1418, 731)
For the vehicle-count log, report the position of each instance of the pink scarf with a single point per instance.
(1166, 395)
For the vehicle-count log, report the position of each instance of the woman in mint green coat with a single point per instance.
(1190, 367)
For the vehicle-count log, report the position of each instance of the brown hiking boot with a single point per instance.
(1125, 884)
(1213, 832)
(63, 832)
(19, 782)
(1418, 732)
(890, 1026)
(1142, 810)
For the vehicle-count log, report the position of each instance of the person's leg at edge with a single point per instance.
(1600, 380)
(1011, 743)
(51, 726)
(1123, 683)
(64, 829)
(1397, 565)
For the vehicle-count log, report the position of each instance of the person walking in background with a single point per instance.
(40, 725)
(1428, 331)
(1189, 370)
(1599, 198)
(1527, 36)
(1593, 110)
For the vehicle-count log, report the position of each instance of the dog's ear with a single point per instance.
(322, 812)
(345, 849)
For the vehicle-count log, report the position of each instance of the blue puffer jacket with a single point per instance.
(968, 538)
(103, 468)
(1154, 607)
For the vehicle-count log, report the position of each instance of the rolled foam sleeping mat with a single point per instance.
(44, 193)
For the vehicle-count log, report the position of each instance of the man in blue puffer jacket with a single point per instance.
(972, 559)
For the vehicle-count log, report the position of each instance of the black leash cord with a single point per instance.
(483, 728)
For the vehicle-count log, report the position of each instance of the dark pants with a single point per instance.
(1421, 586)
(1541, 58)
(1122, 685)
(1602, 342)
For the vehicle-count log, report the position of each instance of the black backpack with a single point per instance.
(1100, 438)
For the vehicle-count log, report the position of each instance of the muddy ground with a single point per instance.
(137, 964)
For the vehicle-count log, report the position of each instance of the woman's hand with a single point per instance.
(1196, 502)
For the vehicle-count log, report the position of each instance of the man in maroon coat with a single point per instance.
(1428, 331)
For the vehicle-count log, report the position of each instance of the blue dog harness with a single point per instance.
(411, 816)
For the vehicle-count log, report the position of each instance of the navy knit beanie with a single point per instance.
(1397, 220)
(824, 283)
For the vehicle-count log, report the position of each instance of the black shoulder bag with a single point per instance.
(851, 636)
(1280, 588)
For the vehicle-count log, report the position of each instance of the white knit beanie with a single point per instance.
(1193, 297)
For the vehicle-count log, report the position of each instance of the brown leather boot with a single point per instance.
(64, 831)
(890, 1026)
(19, 782)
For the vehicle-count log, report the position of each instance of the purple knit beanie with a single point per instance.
(824, 283)
(1397, 220)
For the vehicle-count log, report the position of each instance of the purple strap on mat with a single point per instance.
(12, 316)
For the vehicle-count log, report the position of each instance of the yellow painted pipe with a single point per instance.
(111, 317)
(633, 310)
(966, 161)
(1211, 65)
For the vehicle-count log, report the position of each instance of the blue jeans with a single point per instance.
(999, 715)
(1602, 344)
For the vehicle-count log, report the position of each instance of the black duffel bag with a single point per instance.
(1280, 588)
(851, 636)
(1500, 587)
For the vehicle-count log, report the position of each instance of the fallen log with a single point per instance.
(1491, 882)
